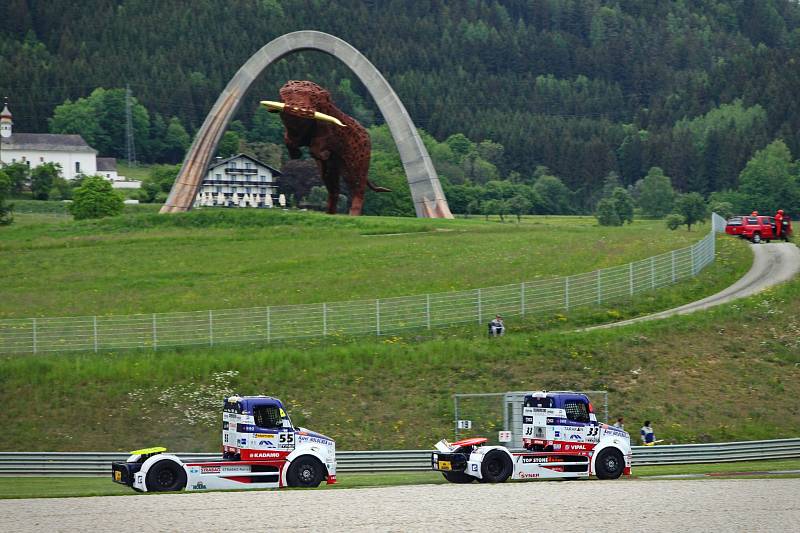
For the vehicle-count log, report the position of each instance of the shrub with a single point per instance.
(95, 198)
(606, 213)
(674, 221)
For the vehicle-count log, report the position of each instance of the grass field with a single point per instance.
(226, 259)
(62, 487)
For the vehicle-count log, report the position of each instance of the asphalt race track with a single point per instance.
(586, 505)
(772, 264)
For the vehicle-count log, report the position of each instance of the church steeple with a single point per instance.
(5, 121)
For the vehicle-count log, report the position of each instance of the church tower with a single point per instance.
(5, 121)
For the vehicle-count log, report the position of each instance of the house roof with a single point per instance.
(54, 142)
(221, 162)
(106, 164)
(5, 113)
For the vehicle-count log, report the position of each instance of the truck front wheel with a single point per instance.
(609, 464)
(496, 467)
(165, 476)
(756, 238)
(305, 471)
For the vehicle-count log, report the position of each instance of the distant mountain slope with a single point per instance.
(554, 81)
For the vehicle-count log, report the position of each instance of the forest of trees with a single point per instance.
(568, 89)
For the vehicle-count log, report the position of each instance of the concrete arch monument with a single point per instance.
(426, 190)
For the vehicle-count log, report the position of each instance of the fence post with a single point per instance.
(673, 266)
(652, 273)
(428, 310)
(94, 323)
(566, 293)
(324, 319)
(599, 286)
(691, 250)
(269, 326)
(155, 333)
(480, 304)
(522, 298)
(630, 277)
(377, 317)
(210, 327)
(34, 334)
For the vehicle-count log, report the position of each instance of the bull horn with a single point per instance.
(327, 118)
(274, 107)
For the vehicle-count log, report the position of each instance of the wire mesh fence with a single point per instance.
(362, 317)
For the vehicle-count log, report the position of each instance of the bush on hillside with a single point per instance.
(95, 198)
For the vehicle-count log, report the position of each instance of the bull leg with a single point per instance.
(330, 177)
(357, 182)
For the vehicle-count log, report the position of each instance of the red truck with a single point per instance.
(758, 228)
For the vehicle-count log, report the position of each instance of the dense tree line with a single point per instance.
(581, 87)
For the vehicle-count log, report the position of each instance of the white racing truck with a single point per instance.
(561, 438)
(260, 449)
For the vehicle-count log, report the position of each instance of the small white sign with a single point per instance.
(465, 424)
(504, 436)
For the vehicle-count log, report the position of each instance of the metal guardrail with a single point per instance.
(362, 317)
(99, 464)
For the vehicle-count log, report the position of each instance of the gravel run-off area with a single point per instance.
(587, 505)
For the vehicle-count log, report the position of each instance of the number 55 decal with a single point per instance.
(286, 438)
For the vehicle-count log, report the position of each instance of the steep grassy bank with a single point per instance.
(728, 374)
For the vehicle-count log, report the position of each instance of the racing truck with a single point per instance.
(561, 438)
(260, 449)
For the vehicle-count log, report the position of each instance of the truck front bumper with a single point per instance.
(449, 462)
(124, 473)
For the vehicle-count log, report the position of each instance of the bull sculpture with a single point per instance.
(338, 143)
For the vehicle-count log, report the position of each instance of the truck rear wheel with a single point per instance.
(609, 464)
(756, 238)
(496, 467)
(165, 476)
(305, 471)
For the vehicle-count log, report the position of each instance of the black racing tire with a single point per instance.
(609, 464)
(496, 467)
(461, 478)
(756, 238)
(165, 476)
(305, 471)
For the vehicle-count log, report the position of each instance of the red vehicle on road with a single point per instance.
(758, 228)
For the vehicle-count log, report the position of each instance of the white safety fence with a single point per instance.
(363, 317)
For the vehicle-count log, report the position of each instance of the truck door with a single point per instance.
(582, 428)
(273, 428)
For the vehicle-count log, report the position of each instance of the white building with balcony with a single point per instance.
(239, 181)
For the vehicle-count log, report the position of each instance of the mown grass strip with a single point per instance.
(64, 487)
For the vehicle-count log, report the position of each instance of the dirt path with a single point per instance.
(591, 505)
(772, 264)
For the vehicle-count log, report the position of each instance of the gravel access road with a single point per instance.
(773, 263)
(587, 505)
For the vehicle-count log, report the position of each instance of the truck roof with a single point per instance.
(558, 397)
(248, 402)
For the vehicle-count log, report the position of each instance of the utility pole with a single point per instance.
(130, 147)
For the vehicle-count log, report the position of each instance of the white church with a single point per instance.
(70, 152)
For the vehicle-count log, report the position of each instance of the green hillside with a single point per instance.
(215, 259)
(391, 392)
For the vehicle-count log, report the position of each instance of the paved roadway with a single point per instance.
(587, 505)
(772, 264)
